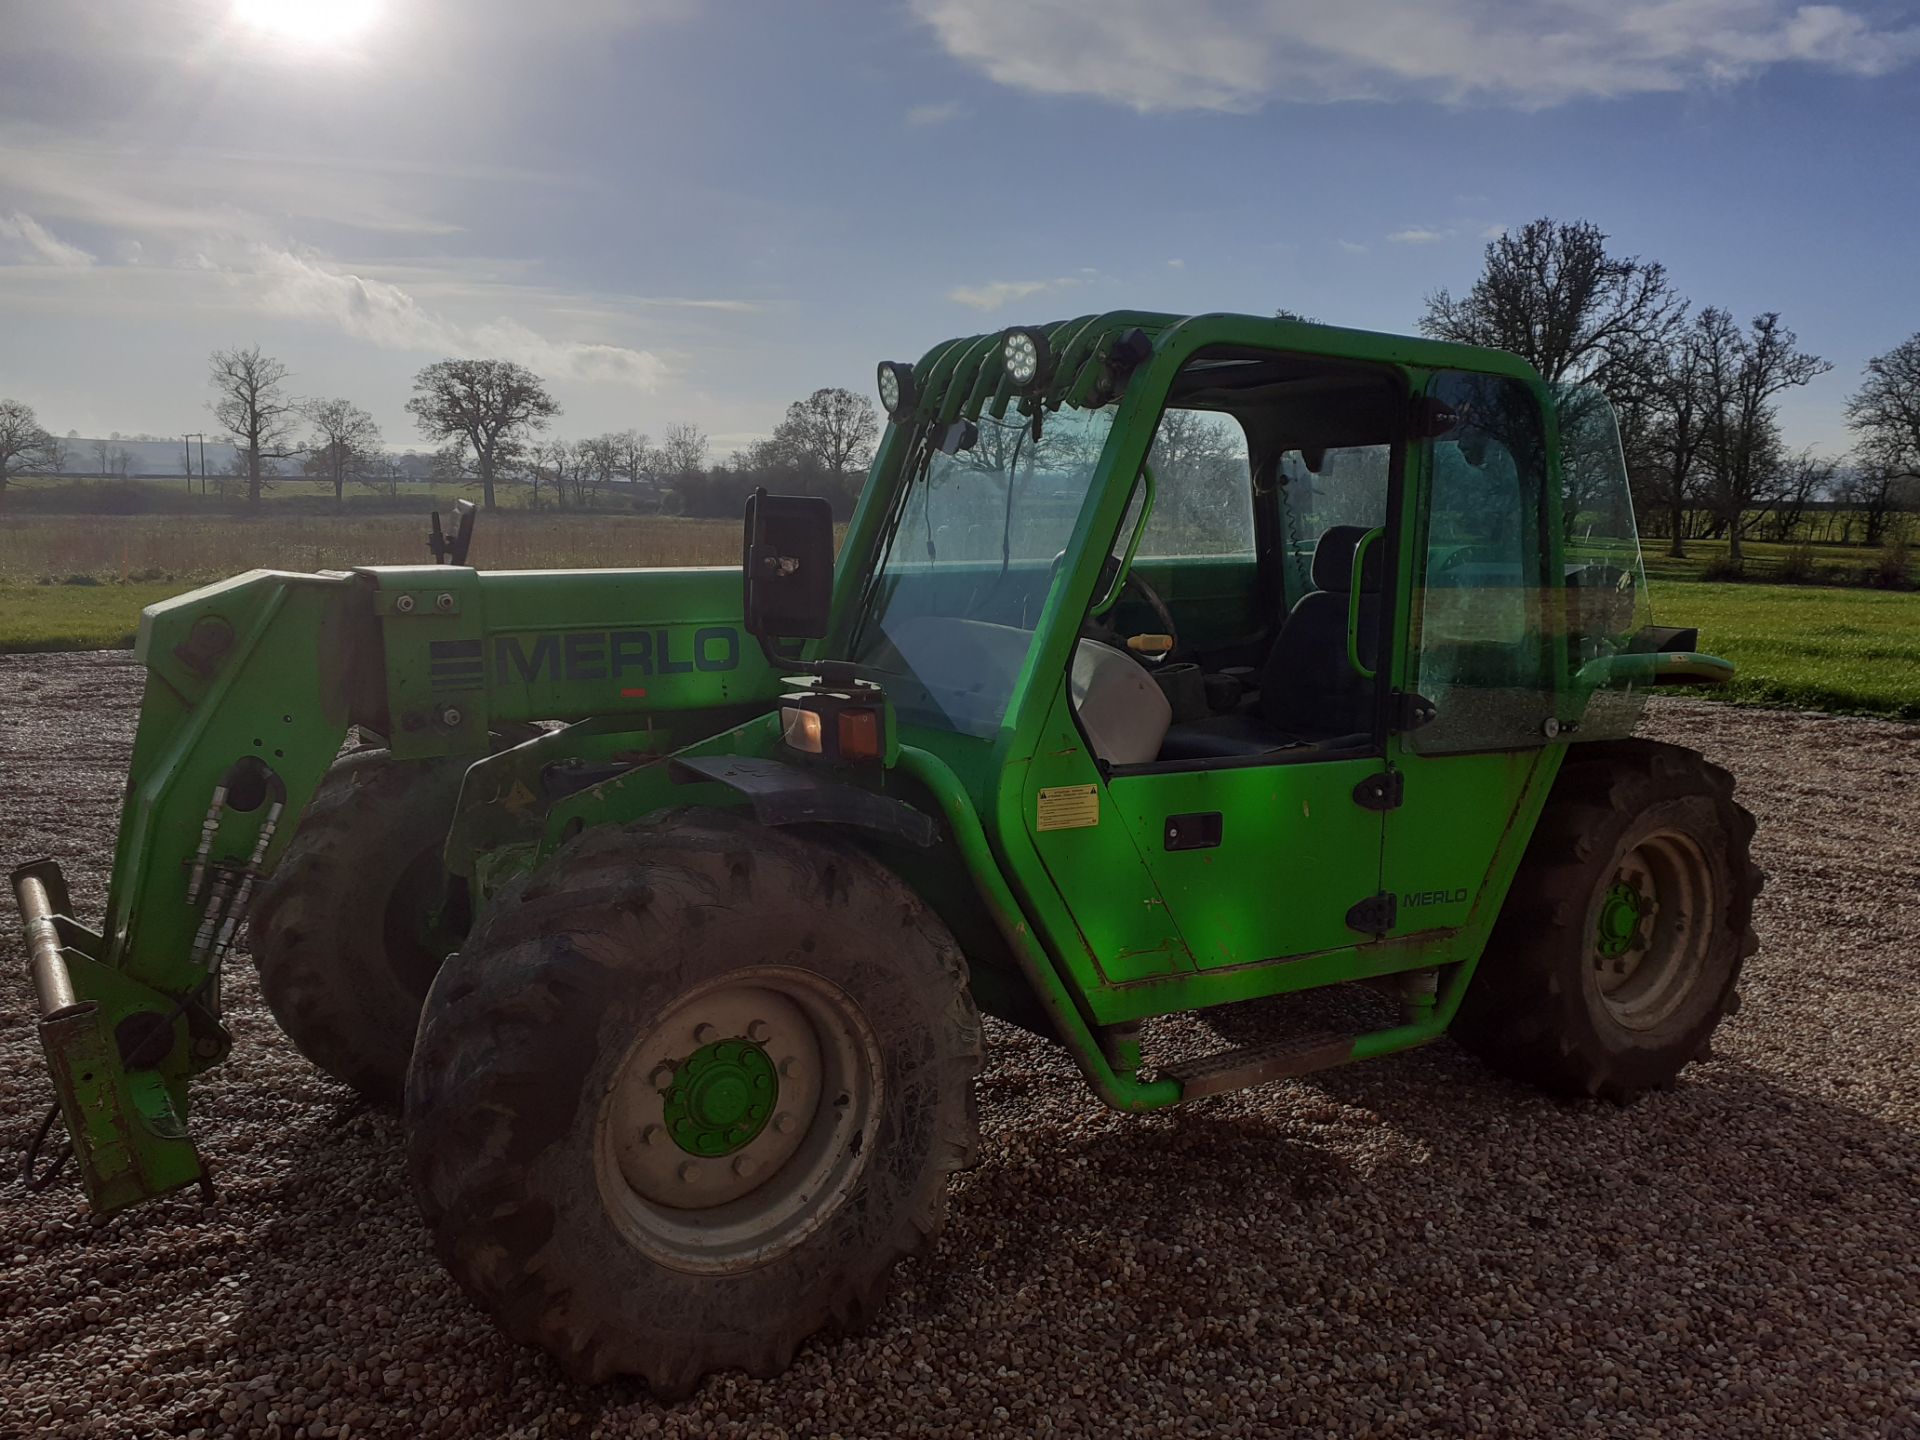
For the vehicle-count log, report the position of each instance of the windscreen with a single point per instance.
(965, 568)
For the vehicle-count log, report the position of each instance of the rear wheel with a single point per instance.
(1621, 942)
(689, 1094)
(356, 918)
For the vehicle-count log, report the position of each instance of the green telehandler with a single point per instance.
(1168, 665)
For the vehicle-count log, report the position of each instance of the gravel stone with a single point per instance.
(1410, 1247)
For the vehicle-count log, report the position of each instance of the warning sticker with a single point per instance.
(1069, 807)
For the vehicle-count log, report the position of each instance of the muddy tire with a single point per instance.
(688, 1094)
(1621, 942)
(335, 931)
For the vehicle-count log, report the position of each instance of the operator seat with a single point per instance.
(1309, 692)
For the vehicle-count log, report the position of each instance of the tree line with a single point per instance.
(1697, 391)
(492, 421)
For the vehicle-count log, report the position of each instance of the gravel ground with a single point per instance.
(1411, 1247)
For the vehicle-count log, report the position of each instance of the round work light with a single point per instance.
(896, 389)
(1024, 353)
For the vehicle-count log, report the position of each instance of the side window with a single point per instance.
(1324, 488)
(1479, 641)
(1203, 487)
(1606, 585)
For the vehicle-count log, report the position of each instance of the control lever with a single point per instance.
(452, 549)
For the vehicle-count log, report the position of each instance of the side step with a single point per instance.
(1229, 1070)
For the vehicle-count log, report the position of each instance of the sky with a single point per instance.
(680, 212)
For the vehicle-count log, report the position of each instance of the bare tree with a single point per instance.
(345, 444)
(1665, 455)
(1884, 415)
(634, 455)
(1551, 294)
(25, 448)
(1742, 373)
(489, 407)
(597, 461)
(382, 474)
(102, 458)
(833, 428)
(251, 401)
(1801, 480)
(682, 452)
(556, 463)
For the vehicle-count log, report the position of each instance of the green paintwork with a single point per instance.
(720, 1098)
(1618, 926)
(1079, 931)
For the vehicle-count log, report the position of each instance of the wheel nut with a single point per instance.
(661, 1077)
(688, 1172)
(758, 1032)
(783, 1122)
(705, 1034)
(651, 1135)
(744, 1165)
(789, 1067)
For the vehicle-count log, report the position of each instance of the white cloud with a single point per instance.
(24, 239)
(996, 293)
(1352, 247)
(936, 114)
(1177, 264)
(1417, 235)
(194, 188)
(1237, 55)
(381, 313)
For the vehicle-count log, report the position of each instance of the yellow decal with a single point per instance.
(1068, 807)
(519, 798)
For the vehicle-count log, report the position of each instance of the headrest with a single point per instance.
(1333, 561)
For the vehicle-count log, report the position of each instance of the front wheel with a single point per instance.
(1621, 942)
(689, 1094)
(349, 929)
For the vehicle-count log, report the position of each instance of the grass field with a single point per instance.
(1808, 646)
(1821, 647)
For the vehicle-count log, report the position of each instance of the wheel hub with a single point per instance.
(1651, 929)
(1618, 930)
(739, 1119)
(721, 1098)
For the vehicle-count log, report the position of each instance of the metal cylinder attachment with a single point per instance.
(40, 892)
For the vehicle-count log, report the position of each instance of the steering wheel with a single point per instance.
(1096, 628)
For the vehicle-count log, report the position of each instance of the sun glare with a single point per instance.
(316, 24)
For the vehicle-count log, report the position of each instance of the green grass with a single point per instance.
(1819, 647)
(1764, 561)
(1812, 647)
(73, 617)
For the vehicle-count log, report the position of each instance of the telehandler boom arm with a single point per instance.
(252, 685)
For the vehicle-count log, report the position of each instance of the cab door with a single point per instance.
(1240, 860)
(1480, 651)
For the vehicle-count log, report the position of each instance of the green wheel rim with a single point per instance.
(739, 1118)
(1653, 929)
(721, 1098)
(1619, 922)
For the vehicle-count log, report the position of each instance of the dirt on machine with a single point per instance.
(1169, 665)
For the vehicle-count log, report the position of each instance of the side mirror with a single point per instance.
(787, 566)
